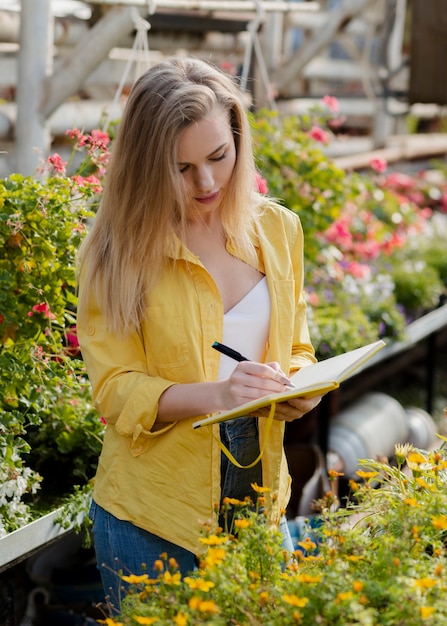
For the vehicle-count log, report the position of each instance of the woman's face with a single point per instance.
(206, 157)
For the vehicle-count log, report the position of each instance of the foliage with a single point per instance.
(371, 238)
(48, 429)
(379, 561)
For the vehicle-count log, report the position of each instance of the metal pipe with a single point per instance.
(219, 5)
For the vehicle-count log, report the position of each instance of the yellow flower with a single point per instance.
(133, 579)
(180, 619)
(416, 458)
(344, 595)
(158, 565)
(295, 600)
(439, 522)
(357, 585)
(213, 540)
(144, 620)
(425, 583)
(172, 579)
(242, 523)
(411, 502)
(354, 557)
(426, 611)
(233, 501)
(307, 578)
(204, 606)
(334, 474)
(110, 622)
(259, 489)
(307, 544)
(198, 583)
(366, 475)
(215, 556)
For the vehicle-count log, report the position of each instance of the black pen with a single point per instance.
(237, 356)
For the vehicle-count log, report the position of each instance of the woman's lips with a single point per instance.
(207, 199)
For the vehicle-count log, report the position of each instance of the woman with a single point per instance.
(184, 252)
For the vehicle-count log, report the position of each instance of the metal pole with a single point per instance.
(35, 64)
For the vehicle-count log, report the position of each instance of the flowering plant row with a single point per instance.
(375, 257)
(379, 561)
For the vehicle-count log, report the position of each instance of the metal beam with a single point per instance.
(35, 61)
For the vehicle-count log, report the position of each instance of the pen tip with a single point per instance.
(214, 344)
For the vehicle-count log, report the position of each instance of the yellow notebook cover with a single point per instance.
(312, 380)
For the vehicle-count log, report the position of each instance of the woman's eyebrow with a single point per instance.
(218, 149)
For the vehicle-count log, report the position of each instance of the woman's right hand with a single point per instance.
(251, 381)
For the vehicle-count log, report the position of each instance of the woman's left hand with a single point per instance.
(293, 409)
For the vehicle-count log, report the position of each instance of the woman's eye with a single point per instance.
(220, 157)
(183, 169)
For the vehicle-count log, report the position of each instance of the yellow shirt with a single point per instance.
(167, 479)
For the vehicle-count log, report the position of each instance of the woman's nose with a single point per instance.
(204, 179)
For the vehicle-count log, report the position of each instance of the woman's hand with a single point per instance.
(251, 381)
(293, 409)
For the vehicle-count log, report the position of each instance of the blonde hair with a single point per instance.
(142, 211)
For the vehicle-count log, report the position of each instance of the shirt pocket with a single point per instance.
(165, 336)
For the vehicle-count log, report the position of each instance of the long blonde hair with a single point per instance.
(142, 211)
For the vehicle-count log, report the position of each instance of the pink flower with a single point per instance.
(261, 184)
(84, 182)
(43, 308)
(319, 134)
(56, 162)
(103, 420)
(99, 139)
(331, 103)
(398, 179)
(379, 165)
(358, 270)
(313, 299)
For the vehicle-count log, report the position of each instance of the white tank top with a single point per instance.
(246, 328)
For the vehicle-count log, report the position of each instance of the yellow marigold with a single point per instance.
(417, 458)
(204, 606)
(295, 600)
(259, 489)
(411, 502)
(366, 475)
(353, 485)
(109, 622)
(354, 557)
(242, 523)
(233, 501)
(344, 595)
(213, 540)
(438, 570)
(307, 578)
(172, 579)
(396, 561)
(158, 565)
(199, 583)
(173, 563)
(424, 484)
(145, 621)
(133, 579)
(263, 597)
(426, 611)
(215, 556)
(307, 544)
(425, 583)
(439, 522)
(334, 474)
(180, 619)
(357, 585)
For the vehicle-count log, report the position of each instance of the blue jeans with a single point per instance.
(122, 546)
